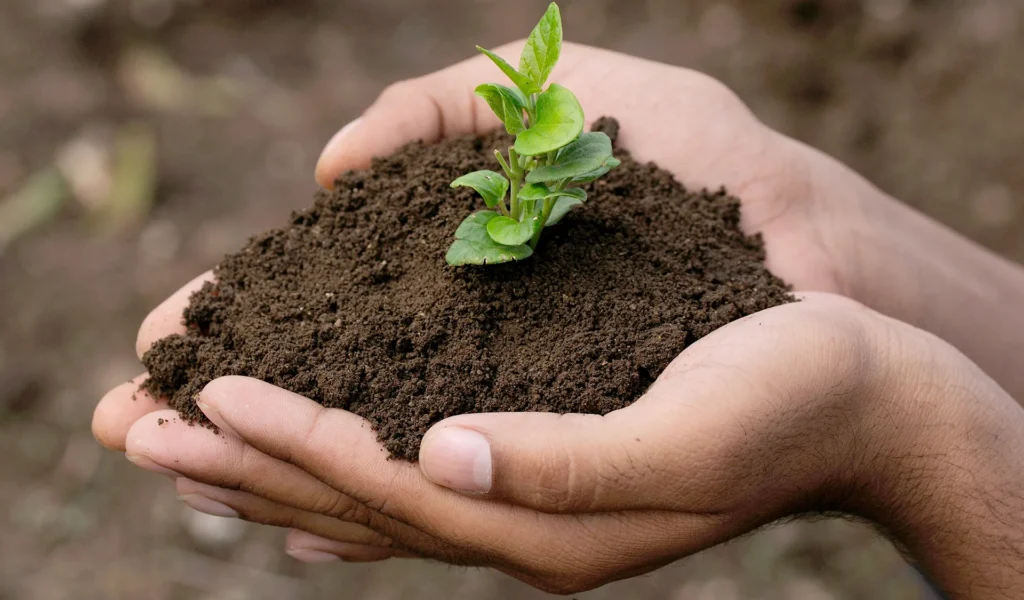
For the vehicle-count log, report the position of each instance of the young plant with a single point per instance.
(551, 157)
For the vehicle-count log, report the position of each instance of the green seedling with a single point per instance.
(543, 170)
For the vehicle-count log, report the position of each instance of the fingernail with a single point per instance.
(312, 556)
(211, 507)
(214, 415)
(336, 142)
(346, 551)
(145, 462)
(457, 458)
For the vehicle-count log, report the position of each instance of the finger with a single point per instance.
(226, 503)
(164, 444)
(554, 463)
(309, 548)
(166, 319)
(310, 438)
(119, 409)
(124, 405)
(692, 442)
(225, 461)
(340, 449)
(427, 108)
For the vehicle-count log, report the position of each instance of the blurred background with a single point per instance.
(142, 139)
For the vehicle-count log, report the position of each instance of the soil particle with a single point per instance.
(352, 305)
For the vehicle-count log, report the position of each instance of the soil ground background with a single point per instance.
(187, 125)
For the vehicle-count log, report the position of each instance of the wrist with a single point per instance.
(905, 265)
(942, 470)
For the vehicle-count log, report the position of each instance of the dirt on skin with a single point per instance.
(352, 305)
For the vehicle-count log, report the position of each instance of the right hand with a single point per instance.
(818, 405)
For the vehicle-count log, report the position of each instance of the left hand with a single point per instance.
(790, 410)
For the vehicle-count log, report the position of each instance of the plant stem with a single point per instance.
(516, 179)
(515, 198)
(504, 165)
(531, 108)
(545, 214)
(549, 205)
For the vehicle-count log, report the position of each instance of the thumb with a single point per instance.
(552, 463)
(763, 415)
(427, 108)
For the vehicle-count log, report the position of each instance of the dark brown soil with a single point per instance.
(352, 304)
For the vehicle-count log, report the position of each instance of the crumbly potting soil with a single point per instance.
(351, 302)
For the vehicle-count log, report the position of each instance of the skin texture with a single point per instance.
(820, 405)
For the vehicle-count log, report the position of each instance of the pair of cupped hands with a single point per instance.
(823, 404)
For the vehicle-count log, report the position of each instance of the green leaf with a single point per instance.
(474, 246)
(507, 103)
(509, 232)
(559, 122)
(543, 47)
(608, 165)
(533, 191)
(474, 227)
(522, 82)
(465, 252)
(566, 199)
(585, 155)
(492, 186)
(539, 191)
(562, 208)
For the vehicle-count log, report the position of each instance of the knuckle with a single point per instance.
(720, 90)
(264, 514)
(285, 519)
(343, 508)
(559, 487)
(714, 91)
(400, 90)
(356, 513)
(247, 472)
(318, 431)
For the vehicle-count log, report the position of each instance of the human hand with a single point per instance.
(825, 227)
(687, 122)
(808, 207)
(820, 405)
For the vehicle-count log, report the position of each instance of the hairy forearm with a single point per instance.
(915, 269)
(949, 482)
(952, 287)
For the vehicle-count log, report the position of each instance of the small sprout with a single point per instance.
(550, 157)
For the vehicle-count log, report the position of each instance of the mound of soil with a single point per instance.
(351, 304)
